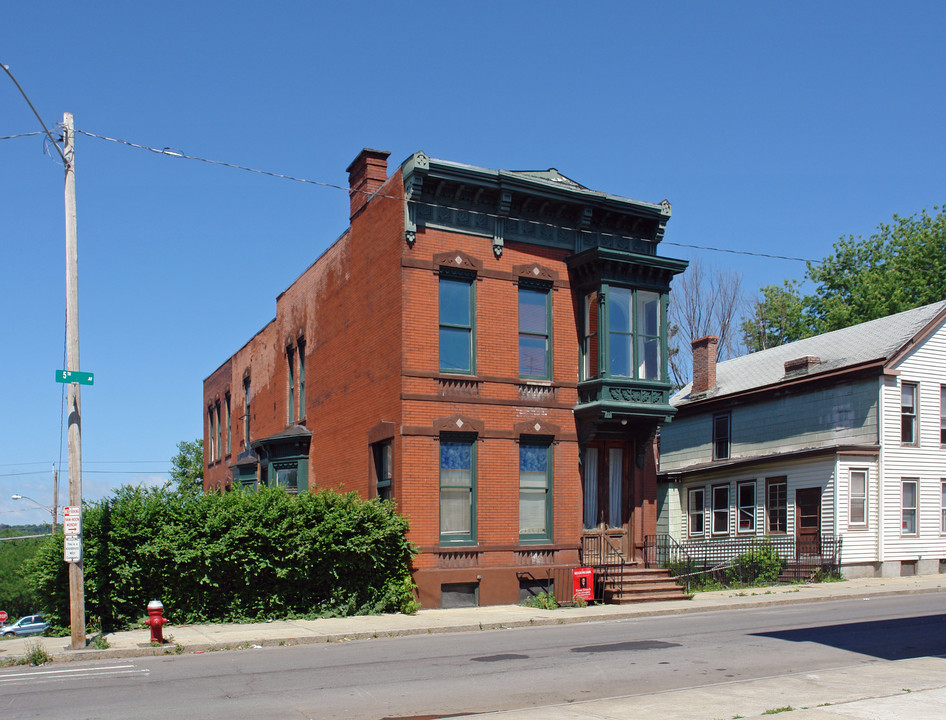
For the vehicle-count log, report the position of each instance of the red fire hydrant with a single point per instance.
(156, 621)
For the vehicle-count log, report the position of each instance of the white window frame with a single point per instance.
(912, 415)
(719, 511)
(860, 497)
(745, 508)
(906, 509)
(696, 513)
(942, 508)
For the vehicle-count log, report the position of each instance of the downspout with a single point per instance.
(880, 471)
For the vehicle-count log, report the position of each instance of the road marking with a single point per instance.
(69, 674)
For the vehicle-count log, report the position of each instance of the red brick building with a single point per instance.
(486, 348)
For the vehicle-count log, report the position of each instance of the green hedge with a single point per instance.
(233, 557)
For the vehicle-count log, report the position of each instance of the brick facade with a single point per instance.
(366, 316)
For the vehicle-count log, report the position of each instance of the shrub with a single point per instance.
(760, 564)
(232, 557)
(543, 601)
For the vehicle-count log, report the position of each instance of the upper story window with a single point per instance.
(908, 413)
(457, 341)
(226, 410)
(721, 436)
(211, 450)
(246, 413)
(942, 414)
(631, 321)
(301, 346)
(217, 451)
(535, 336)
(291, 364)
(589, 344)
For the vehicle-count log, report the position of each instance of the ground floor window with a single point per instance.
(696, 501)
(942, 507)
(908, 507)
(457, 491)
(535, 491)
(776, 505)
(286, 475)
(383, 469)
(720, 509)
(745, 495)
(857, 512)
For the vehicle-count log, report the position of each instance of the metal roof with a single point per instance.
(874, 340)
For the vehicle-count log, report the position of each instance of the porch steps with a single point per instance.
(637, 584)
(803, 570)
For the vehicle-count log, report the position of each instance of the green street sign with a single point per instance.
(74, 376)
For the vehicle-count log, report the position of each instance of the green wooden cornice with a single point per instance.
(539, 207)
(603, 264)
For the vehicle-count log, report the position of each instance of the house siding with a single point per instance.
(925, 462)
(834, 415)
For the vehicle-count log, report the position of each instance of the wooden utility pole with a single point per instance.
(55, 496)
(76, 588)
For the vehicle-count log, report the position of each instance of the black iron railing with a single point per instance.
(801, 557)
(598, 552)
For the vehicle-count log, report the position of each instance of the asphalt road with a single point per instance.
(438, 675)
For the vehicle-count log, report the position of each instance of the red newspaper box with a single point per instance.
(583, 582)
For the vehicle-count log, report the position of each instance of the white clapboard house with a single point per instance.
(834, 447)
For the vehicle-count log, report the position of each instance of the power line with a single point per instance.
(19, 135)
(173, 152)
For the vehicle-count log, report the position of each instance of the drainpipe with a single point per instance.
(881, 415)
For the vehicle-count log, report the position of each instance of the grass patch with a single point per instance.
(776, 711)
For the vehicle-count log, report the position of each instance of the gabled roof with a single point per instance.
(880, 341)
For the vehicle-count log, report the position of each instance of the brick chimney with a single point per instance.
(704, 364)
(366, 174)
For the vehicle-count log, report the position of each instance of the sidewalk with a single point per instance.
(914, 688)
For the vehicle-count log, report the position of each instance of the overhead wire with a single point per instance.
(174, 152)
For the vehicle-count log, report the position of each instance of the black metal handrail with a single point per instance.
(806, 554)
(598, 552)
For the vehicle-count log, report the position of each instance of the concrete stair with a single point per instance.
(634, 584)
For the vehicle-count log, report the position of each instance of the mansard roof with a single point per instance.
(879, 342)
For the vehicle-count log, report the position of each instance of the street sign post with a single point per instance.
(71, 519)
(74, 376)
(72, 549)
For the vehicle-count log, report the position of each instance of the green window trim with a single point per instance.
(229, 422)
(535, 330)
(457, 503)
(535, 490)
(624, 329)
(457, 322)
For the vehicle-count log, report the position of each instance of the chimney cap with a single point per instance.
(366, 153)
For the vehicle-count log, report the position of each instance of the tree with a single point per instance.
(901, 266)
(776, 318)
(187, 466)
(703, 302)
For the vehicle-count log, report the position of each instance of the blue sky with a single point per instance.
(773, 128)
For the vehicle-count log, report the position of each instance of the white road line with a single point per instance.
(73, 673)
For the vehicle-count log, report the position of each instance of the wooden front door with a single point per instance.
(808, 521)
(606, 502)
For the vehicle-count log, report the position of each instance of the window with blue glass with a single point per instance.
(456, 324)
(458, 491)
(535, 492)
(535, 338)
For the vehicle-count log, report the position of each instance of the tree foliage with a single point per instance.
(901, 266)
(231, 557)
(16, 598)
(703, 301)
(187, 466)
(776, 318)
